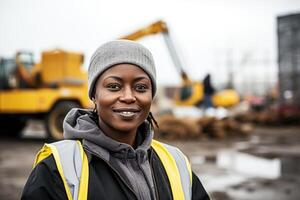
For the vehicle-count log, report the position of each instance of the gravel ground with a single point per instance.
(17, 156)
(16, 161)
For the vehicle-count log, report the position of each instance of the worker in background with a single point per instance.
(109, 152)
(208, 92)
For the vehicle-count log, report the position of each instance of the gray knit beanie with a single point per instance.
(118, 52)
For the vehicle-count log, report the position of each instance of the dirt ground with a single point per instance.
(17, 156)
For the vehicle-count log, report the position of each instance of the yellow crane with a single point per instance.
(191, 92)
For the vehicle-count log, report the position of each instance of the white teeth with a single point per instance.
(127, 113)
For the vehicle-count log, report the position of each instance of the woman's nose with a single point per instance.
(127, 96)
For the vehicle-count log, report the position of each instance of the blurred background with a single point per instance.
(228, 75)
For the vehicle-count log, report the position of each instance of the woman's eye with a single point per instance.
(141, 88)
(113, 87)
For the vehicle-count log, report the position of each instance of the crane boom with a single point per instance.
(155, 28)
(191, 92)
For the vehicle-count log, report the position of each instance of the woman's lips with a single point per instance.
(127, 113)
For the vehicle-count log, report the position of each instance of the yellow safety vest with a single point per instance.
(72, 164)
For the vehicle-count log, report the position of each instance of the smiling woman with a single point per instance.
(109, 152)
(123, 99)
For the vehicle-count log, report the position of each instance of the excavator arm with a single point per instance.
(21, 71)
(155, 28)
(191, 92)
(28, 73)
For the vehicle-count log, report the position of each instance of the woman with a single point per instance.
(119, 158)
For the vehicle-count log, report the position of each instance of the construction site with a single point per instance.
(239, 127)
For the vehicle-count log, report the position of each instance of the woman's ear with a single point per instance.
(95, 105)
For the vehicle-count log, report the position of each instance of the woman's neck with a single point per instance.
(127, 137)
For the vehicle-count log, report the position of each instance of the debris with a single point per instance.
(172, 127)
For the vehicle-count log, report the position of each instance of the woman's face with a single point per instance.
(123, 95)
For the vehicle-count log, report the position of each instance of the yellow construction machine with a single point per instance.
(191, 92)
(47, 90)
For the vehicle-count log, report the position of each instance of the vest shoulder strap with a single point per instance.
(72, 164)
(177, 168)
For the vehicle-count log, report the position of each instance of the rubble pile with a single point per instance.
(172, 127)
(263, 117)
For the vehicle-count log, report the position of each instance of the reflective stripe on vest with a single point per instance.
(178, 169)
(72, 164)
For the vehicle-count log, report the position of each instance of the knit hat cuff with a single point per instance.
(119, 52)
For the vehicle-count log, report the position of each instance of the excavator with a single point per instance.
(191, 92)
(46, 90)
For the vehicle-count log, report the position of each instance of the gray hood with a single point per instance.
(132, 164)
(79, 124)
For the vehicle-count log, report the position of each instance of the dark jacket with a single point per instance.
(116, 170)
(104, 182)
(208, 88)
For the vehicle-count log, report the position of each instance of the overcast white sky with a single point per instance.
(208, 34)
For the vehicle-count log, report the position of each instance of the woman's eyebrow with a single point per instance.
(113, 77)
(141, 78)
(120, 79)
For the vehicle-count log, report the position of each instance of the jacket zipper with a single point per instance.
(146, 178)
(154, 181)
(116, 173)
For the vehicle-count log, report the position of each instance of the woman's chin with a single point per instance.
(126, 127)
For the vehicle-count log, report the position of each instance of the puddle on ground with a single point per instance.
(248, 171)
